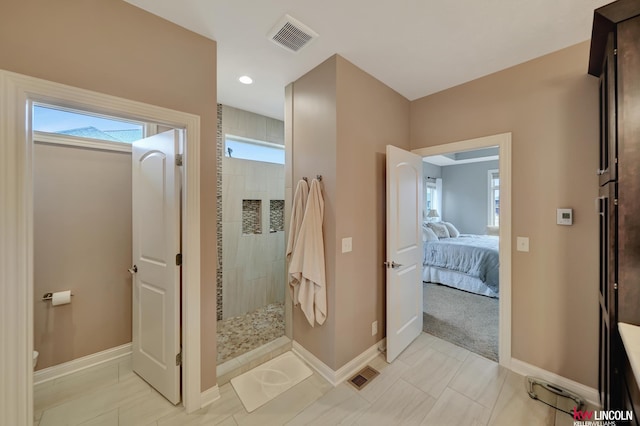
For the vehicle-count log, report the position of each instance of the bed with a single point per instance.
(468, 262)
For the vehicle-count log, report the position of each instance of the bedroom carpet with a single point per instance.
(465, 319)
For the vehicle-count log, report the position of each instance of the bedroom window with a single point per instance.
(250, 149)
(494, 198)
(429, 195)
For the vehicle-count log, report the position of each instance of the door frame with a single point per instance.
(503, 141)
(17, 92)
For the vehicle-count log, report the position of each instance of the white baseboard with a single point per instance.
(73, 366)
(346, 371)
(525, 369)
(209, 396)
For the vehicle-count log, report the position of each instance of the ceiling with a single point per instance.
(464, 157)
(416, 47)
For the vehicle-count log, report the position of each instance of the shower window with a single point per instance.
(250, 149)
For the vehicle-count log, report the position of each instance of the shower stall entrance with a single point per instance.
(251, 239)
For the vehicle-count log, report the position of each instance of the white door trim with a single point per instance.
(503, 141)
(16, 232)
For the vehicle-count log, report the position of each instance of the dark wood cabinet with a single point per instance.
(615, 60)
(608, 294)
(608, 142)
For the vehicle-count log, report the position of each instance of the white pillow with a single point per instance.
(440, 229)
(453, 232)
(428, 234)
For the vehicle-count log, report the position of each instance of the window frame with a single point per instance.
(491, 215)
(429, 186)
(68, 139)
(251, 141)
(54, 138)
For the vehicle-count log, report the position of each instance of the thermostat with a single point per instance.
(565, 217)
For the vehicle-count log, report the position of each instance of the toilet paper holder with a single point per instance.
(48, 296)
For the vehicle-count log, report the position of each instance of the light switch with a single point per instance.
(522, 244)
(346, 245)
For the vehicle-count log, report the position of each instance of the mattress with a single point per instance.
(476, 256)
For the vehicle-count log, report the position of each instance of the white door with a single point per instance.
(156, 276)
(404, 249)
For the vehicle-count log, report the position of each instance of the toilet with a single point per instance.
(35, 358)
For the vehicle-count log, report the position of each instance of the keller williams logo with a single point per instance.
(600, 418)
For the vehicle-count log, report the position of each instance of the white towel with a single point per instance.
(307, 261)
(297, 214)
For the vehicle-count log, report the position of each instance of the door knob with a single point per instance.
(133, 270)
(392, 264)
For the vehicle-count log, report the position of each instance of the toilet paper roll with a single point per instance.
(61, 298)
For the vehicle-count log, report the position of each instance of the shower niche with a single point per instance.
(251, 217)
(276, 216)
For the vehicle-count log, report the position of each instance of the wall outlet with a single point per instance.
(347, 244)
(374, 328)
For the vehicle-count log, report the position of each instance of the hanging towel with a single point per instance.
(307, 260)
(297, 214)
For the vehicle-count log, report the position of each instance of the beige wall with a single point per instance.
(550, 105)
(81, 244)
(313, 152)
(112, 47)
(342, 121)
(342, 118)
(370, 117)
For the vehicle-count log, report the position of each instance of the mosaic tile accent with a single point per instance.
(219, 155)
(252, 216)
(276, 215)
(239, 335)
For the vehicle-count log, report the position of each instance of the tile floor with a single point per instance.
(242, 334)
(433, 382)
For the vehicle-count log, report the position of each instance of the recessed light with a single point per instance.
(245, 79)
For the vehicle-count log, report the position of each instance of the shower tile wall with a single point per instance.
(253, 263)
(253, 266)
(219, 155)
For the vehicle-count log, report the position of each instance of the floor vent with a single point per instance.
(291, 34)
(363, 377)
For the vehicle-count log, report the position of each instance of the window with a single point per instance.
(83, 124)
(430, 197)
(494, 198)
(249, 149)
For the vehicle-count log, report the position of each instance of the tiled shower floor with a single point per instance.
(239, 335)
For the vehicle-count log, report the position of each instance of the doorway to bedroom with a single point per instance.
(463, 210)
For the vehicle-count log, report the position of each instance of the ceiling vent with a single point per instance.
(291, 34)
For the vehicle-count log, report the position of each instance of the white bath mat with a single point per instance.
(260, 385)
